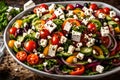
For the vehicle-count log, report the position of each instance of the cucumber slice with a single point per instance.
(32, 16)
(63, 54)
(86, 50)
(20, 38)
(60, 6)
(113, 23)
(46, 16)
(108, 18)
(15, 49)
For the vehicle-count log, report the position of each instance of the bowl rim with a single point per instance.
(57, 75)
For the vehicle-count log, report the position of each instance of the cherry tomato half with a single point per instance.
(44, 33)
(21, 55)
(13, 30)
(92, 27)
(69, 7)
(30, 45)
(53, 17)
(93, 6)
(106, 10)
(99, 11)
(78, 71)
(56, 38)
(32, 59)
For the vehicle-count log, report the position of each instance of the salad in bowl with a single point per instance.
(67, 39)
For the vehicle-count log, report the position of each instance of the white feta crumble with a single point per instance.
(52, 50)
(29, 4)
(91, 17)
(41, 55)
(85, 21)
(24, 34)
(52, 7)
(62, 17)
(49, 37)
(67, 26)
(71, 49)
(90, 42)
(80, 56)
(43, 42)
(63, 39)
(30, 31)
(105, 24)
(116, 19)
(25, 24)
(70, 13)
(38, 12)
(58, 12)
(89, 60)
(76, 36)
(77, 49)
(75, 60)
(94, 52)
(9, 8)
(37, 35)
(101, 15)
(45, 64)
(99, 68)
(33, 27)
(84, 8)
(79, 45)
(104, 31)
(50, 26)
(17, 44)
(34, 50)
(75, 17)
(60, 49)
(88, 12)
(112, 13)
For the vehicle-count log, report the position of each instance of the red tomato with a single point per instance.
(13, 30)
(93, 6)
(69, 7)
(44, 33)
(92, 27)
(105, 41)
(21, 55)
(32, 59)
(53, 17)
(30, 45)
(78, 71)
(99, 11)
(40, 6)
(106, 10)
(56, 38)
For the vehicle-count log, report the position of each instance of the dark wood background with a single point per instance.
(10, 70)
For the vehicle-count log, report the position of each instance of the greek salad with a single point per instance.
(68, 39)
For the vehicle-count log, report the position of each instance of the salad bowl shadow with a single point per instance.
(56, 76)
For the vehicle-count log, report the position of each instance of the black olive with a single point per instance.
(86, 5)
(65, 11)
(117, 37)
(98, 41)
(19, 31)
(68, 35)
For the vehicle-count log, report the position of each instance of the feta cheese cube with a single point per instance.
(91, 17)
(45, 64)
(84, 8)
(116, 19)
(37, 35)
(90, 42)
(105, 24)
(24, 34)
(79, 45)
(80, 56)
(62, 17)
(50, 26)
(25, 24)
(41, 55)
(70, 13)
(29, 4)
(101, 15)
(71, 49)
(58, 12)
(105, 31)
(88, 12)
(76, 36)
(77, 49)
(67, 26)
(94, 52)
(85, 21)
(33, 27)
(52, 50)
(89, 60)
(17, 44)
(43, 42)
(52, 7)
(112, 14)
(38, 12)
(63, 39)
(99, 68)
(49, 37)
(60, 49)
(75, 17)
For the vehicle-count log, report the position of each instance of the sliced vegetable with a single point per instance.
(86, 50)
(32, 59)
(21, 55)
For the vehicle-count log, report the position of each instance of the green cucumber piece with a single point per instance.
(86, 50)
(63, 54)
(60, 6)
(32, 16)
(15, 49)
(108, 18)
(99, 57)
(46, 16)
(113, 23)
(105, 50)
(20, 38)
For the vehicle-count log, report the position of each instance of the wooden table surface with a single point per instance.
(10, 70)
